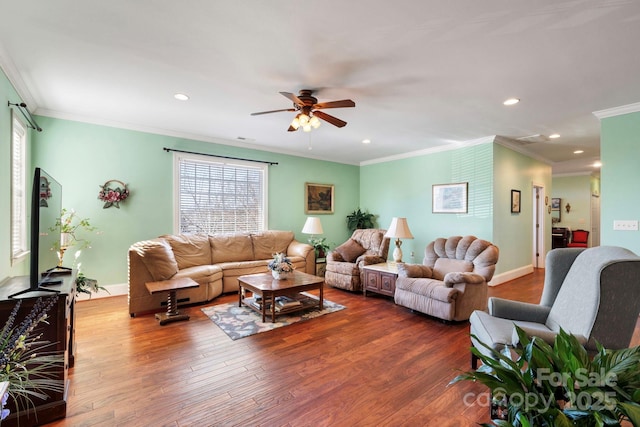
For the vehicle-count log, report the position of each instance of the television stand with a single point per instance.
(39, 288)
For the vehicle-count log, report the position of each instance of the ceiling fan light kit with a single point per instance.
(308, 117)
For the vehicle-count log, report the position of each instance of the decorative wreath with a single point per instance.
(112, 193)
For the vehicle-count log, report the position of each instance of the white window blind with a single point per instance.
(18, 191)
(218, 196)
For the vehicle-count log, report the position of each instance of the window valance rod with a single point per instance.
(222, 157)
(31, 122)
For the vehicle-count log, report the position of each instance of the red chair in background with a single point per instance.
(579, 239)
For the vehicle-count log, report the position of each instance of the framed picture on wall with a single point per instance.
(449, 198)
(515, 201)
(555, 204)
(318, 198)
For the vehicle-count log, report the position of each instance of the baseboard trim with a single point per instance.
(115, 290)
(511, 275)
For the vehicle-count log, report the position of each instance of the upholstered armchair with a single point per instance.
(594, 294)
(452, 281)
(344, 263)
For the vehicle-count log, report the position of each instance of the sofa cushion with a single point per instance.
(443, 266)
(350, 250)
(158, 257)
(268, 243)
(190, 249)
(202, 274)
(231, 247)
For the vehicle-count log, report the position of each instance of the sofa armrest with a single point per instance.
(546, 335)
(415, 271)
(305, 251)
(518, 310)
(369, 260)
(458, 278)
(334, 256)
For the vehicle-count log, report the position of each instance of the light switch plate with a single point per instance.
(625, 225)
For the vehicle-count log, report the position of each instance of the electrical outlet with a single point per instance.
(628, 225)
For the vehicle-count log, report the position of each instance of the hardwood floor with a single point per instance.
(372, 364)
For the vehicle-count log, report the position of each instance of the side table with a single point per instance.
(321, 266)
(171, 286)
(380, 278)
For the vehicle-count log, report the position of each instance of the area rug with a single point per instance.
(239, 322)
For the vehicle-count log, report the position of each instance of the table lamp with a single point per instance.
(312, 226)
(398, 230)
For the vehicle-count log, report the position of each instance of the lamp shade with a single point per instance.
(399, 229)
(312, 226)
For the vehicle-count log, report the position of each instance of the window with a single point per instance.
(19, 247)
(221, 196)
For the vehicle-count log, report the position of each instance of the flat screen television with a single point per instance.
(46, 205)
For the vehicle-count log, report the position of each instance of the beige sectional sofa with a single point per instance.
(214, 262)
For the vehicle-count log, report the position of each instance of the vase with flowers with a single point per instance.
(280, 266)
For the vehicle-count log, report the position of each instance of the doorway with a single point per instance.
(540, 202)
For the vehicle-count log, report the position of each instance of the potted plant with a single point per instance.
(560, 385)
(85, 285)
(359, 219)
(320, 245)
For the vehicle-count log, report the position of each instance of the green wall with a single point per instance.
(575, 190)
(515, 171)
(83, 156)
(620, 177)
(7, 93)
(402, 188)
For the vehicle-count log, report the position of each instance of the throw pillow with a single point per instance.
(350, 250)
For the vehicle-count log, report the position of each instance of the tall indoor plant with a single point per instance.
(561, 385)
(360, 219)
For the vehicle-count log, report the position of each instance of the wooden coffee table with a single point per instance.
(268, 289)
(171, 286)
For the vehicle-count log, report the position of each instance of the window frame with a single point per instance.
(179, 157)
(19, 246)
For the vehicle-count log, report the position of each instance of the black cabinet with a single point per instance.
(559, 237)
(59, 332)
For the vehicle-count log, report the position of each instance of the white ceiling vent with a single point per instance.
(532, 139)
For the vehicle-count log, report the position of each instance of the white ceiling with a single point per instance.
(423, 74)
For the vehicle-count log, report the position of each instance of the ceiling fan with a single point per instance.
(307, 107)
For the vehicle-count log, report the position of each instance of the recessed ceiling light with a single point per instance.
(366, 141)
(597, 164)
(181, 97)
(511, 101)
(578, 152)
(554, 135)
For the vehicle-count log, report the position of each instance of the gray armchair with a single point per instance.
(592, 293)
(452, 281)
(344, 263)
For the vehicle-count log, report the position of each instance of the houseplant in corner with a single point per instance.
(561, 385)
(359, 219)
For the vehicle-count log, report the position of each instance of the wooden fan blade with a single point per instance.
(291, 129)
(273, 111)
(293, 98)
(330, 119)
(336, 104)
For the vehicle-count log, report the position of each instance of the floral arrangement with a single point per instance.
(113, 196)
(25, 359)
(68, 223)
(280, 263)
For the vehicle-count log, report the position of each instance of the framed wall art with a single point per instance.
(450, 198)
(318, 198)
(515, 201)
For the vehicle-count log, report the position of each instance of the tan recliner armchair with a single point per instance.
(344, 263)
(452, 281)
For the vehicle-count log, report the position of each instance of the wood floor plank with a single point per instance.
(373, 363)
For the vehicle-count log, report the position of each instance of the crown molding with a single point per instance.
(175, 134)
(617, 111)
(10, 70)
(433, 150)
